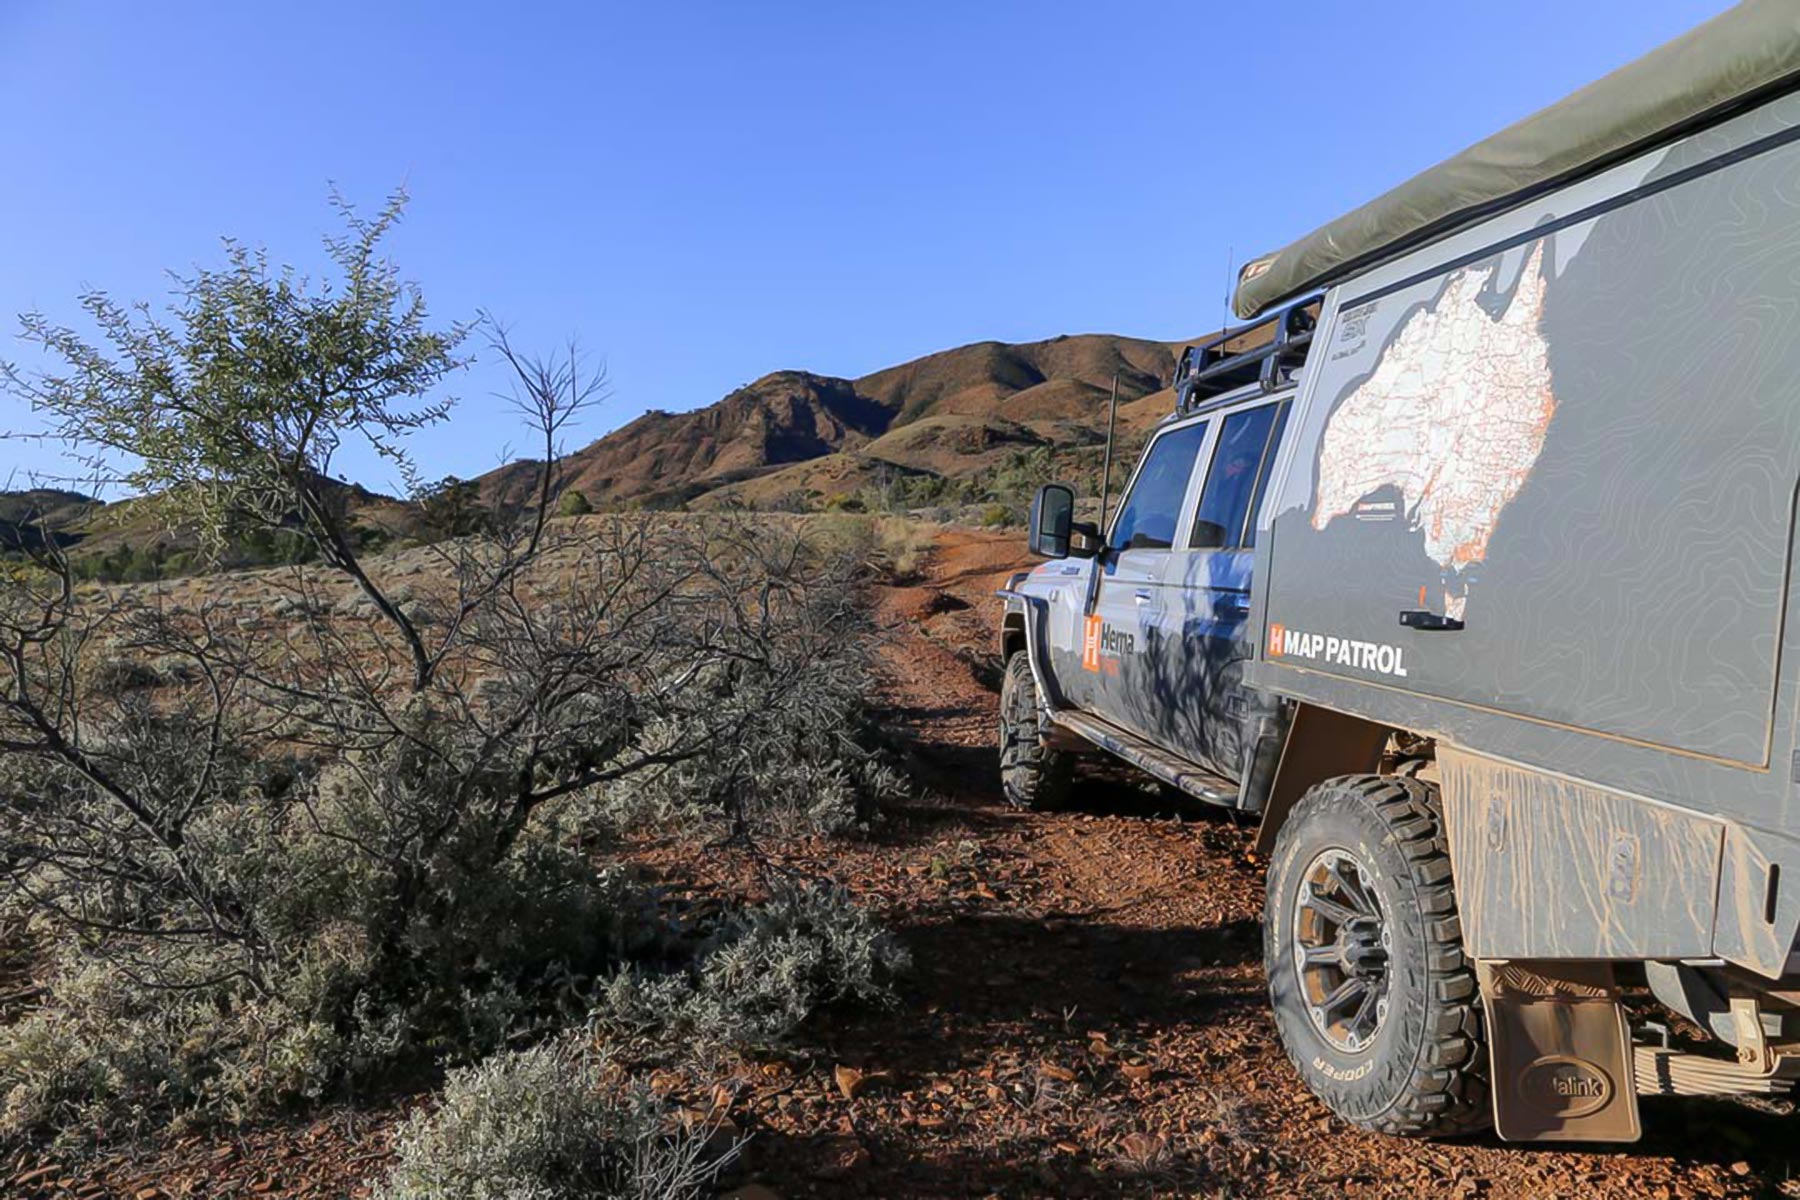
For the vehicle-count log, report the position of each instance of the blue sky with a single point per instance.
(703, 193)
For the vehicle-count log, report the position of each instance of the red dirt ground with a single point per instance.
(1086, 1016)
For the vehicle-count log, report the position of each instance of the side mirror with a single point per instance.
(1052, 520)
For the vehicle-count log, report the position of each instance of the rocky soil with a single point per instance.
(1086, 1016)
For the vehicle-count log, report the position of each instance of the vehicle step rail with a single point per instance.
(1173, 770)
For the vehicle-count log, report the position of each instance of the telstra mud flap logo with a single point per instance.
(1378, 657)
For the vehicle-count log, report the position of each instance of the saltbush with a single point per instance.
(804, 757)
(831, 783)
(547, 1123)
(761, 974)
(351, 966)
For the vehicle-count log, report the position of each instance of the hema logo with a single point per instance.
(1100, 641)
(1379, 657)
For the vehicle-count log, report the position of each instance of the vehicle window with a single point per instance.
(1153, 507)
(1262, 476)
(1226, 518)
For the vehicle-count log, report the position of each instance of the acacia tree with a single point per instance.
(229, 411)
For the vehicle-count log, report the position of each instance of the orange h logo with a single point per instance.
(1277, 636)
(1090, 644)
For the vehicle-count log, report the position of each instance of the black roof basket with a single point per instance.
(1267, 352)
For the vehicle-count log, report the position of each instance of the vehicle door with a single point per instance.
(1120, 659)
(1067, 585)
(1207, 595)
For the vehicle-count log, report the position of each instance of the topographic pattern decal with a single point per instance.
(1452, 417)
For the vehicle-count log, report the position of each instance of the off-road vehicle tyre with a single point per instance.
(1360, 877)
(1032, 775)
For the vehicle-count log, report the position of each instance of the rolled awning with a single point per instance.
(1741, 57)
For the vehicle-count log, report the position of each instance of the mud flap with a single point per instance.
(1561, 1052)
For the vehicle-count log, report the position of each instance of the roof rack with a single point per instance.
(1267, 352)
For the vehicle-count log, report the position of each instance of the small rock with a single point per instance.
(845, 1155)
(850, 1081)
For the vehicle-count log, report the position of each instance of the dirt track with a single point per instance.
(1086, 1017)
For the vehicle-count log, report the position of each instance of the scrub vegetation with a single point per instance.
(264, 863)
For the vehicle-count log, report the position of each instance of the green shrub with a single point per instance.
(762, 974)
(546, 1123)
(803, 755)
(110, 1054)
(574, 503)
(364, 955)
(900, 547)
(829, 784)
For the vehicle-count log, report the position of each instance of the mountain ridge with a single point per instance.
(798, 438)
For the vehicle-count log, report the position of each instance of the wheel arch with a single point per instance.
(1321, 743)
(1012, 633)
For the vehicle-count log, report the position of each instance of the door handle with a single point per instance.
(1230, 603)
(1142, 595)
(1418, 618)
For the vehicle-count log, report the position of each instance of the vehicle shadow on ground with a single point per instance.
(981, 981)
(1018, 1000)
(1013, 1168)
(1115, 789)
(969, 777)
(1718, 1130)
(1754, 1142)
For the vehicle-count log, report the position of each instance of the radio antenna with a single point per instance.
(1112, 419)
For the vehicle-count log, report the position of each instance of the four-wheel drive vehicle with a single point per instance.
(1474, 576)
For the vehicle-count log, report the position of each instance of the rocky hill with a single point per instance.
(129, 540)
(28, 518)
(798, 439)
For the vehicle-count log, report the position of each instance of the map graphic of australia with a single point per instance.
(1453, 416)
